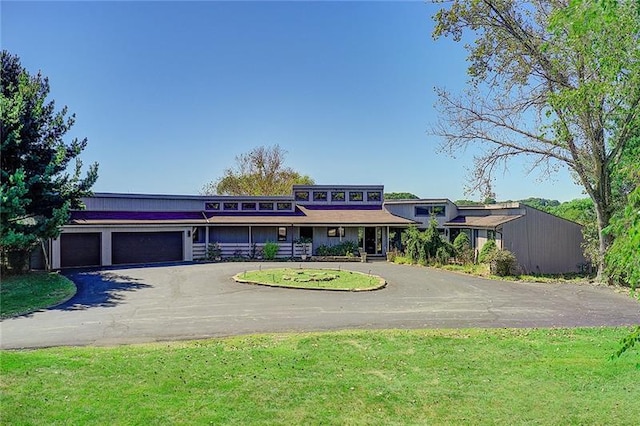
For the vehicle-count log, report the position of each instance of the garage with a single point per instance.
(146, 247)
(80, 249)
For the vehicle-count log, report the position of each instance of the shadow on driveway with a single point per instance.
(100, 289)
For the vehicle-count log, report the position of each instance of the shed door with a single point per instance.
(80, 249)
(146, 247)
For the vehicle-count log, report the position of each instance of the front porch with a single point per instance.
(249, 241)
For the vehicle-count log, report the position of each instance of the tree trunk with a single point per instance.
(603, 217)
(18, 261)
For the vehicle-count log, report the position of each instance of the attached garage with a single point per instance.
(146, 247)
(80, 249)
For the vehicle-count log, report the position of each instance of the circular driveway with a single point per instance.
(201, 300)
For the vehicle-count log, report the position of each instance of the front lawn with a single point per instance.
(498, 376)
(21, 294)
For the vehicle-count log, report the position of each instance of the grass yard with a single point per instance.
(498, 376)
(316, 279)
(21, 294)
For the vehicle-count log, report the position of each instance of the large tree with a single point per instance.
(260, 171)
(555, 81)
(37, 189)
(400, 196)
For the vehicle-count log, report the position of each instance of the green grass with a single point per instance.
(499, 376)
(325, 279)
(21, 294)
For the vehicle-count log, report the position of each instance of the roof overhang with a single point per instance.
(481, 222)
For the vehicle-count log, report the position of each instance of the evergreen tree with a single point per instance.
(36, 190)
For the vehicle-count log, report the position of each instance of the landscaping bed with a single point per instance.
(312, 279)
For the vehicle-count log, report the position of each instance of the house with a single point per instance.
(119, 229)
(541, 242)
(124, 229)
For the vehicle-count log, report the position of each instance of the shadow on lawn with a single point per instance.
(99, 289)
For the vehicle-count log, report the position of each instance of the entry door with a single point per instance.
(370, 240)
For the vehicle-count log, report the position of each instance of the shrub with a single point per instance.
(214, 251)
(487, 251)
(462, 247)
(503, 263)
(422, 246)
(444, 253)
(270, 250)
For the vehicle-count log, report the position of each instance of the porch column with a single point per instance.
(292, 240)
(388, 242)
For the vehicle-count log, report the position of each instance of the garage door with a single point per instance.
(81, 249)
(146, 247)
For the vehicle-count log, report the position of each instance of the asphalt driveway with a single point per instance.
(201, 300)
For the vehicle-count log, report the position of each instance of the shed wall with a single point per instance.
(544, 243)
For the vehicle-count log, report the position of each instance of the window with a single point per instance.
(302, 196)
(337, 196)
(282, 233)
(230, 206)
(319, 195)
(306, 232)
(284, 206)
(429, 210)
(373, 196)
(212, 206)
(198, 234)
(248, 206)
(265, 206)
(356, 196)
(422, 211)
(335, 232)
(438, 210)
(491, 235)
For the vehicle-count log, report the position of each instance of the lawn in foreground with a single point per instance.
(317, 279)
(29, 292)
(500, 376)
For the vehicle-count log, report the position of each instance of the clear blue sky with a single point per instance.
(168, 93)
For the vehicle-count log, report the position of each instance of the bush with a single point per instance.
(422, 246)
(270, 250)
(462, 247)
(443, 254)
(487, 251)
(214, 251)
(503, 263)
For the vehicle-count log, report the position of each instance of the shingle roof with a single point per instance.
(364, 215)
(490, 221)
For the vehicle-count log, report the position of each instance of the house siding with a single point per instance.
(320, 237)
(142, 204)
(228, 234)
(543, 243)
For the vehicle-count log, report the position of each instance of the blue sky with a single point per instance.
(168, 93)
